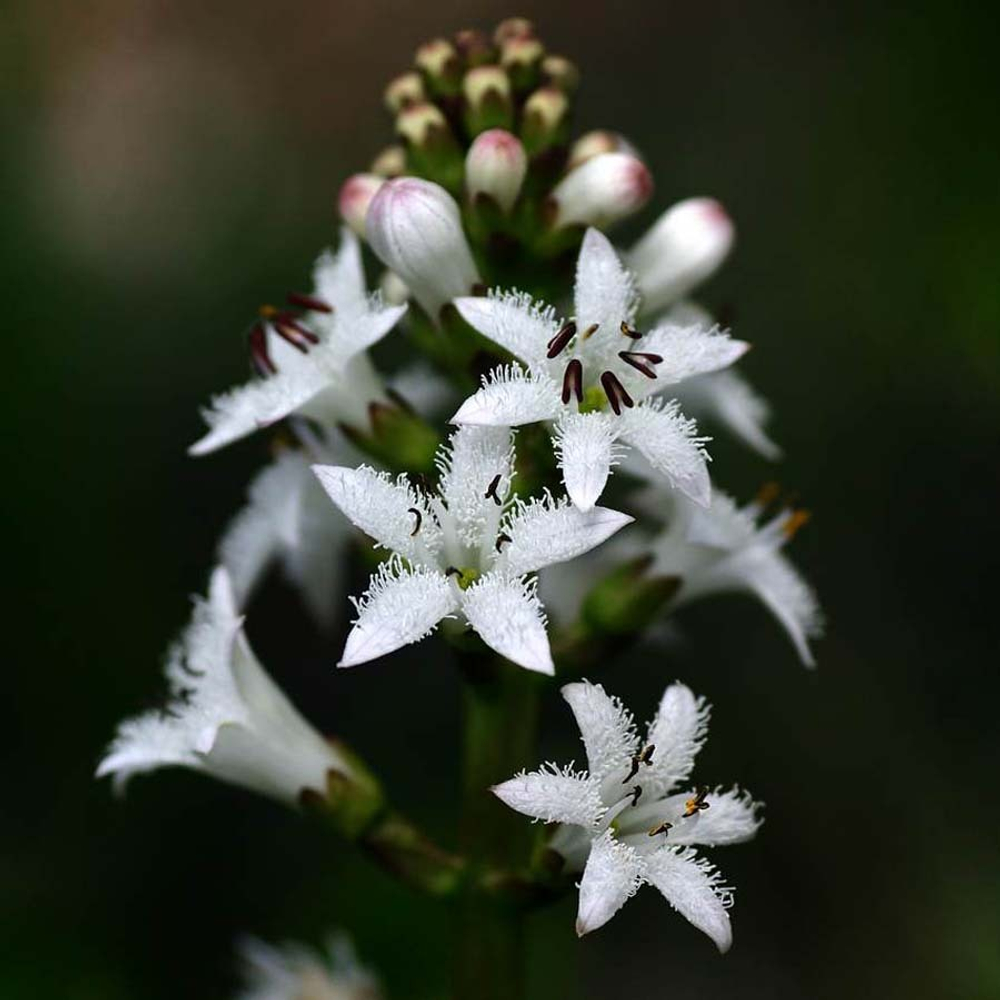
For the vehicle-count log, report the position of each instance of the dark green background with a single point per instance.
(168, 165)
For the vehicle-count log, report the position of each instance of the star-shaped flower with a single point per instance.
(596, 377)
(225, 716)
(722, 549)
(468, 549)
(624, 823)
(313, 365)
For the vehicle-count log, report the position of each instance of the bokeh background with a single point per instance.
(169, 164)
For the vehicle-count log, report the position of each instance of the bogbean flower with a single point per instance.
(297, 973)
(597, 378)
(602, 190)
(624, 821)
(467, 550)
(225, 715)
(312, 365)
(722, 549)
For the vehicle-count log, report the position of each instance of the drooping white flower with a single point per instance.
(314, 365)
(225, 716)
(624, 822)
(722, 549)
(576, 371)
(465, 550)
(293, 972)
(415, 229)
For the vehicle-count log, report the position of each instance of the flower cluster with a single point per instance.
(492, 234)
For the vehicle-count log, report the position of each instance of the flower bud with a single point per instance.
(521, 57)
(393, 289)
(558, 71)
(475, 47)
(355, 197)
(606, 188)
(592, 144)
(403, 91)
(433, 148)
(439, 61)
(495, 166)
(488, 103)
(391, 162)
(415, 229)
(513, 27)
(546, 119)
(682, 248)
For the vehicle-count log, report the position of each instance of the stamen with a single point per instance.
(289, 328)
(629, 332)
(641, 361)
(558, 343)
(573, 382)
(309, 302)
(190, 671)
(259, 356)
(795, 521)
(501, 538)
(419, 517)
(492, 490)
(636, 793)
(696, 804)
(663, 828)
(644, 756)
(615, 391)
(767, 494)
(453, 571)
(590, 331)
(185, 694)
(166, 712)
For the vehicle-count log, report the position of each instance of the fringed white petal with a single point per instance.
(613, 874)
(605, 291)
(512, 320)
(553, 796)
(585, 446)
(678, 731)
(509, 618)
(339, 277)
(731, 818)
(694, 888)
(401, 606)
(671, 445)
(690, 350)
(607, 729)
(510, 397)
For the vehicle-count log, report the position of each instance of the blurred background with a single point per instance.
(169, 164)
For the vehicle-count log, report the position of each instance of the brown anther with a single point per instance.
(644, 756)
(630, 332)
(558, 343)
(590, 331)
(573, 382)
(452, 571)
(796, 519)
(501, 538)
(419, 519)
(767, 494)
(636, 794)
(267, 311)
(697, 803)
(615, 391)
(309, 302)
(641, 361)
(191, 671)
(491, 490)
(291, 330)
(259, 355)
(663, 827)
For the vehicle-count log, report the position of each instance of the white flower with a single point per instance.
(296, 973)
(495, 166)
(722, 549)
(415, 229)
(328, 376)
(464, 550)
(575, 371)
(623, 821)
(602, 190)
(226, 716)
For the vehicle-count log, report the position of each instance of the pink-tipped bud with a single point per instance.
(355, 197)
(604, 189)
(682, 248)
(592, 144)
(415, 228)
(513, 27)
(495, 165)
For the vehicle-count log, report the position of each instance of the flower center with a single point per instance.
(464, 577)
(286, 324)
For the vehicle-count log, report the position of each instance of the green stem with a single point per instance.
(501, 708)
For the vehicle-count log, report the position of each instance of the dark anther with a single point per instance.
(185, 694)
(259, 357)
(590, 331)
(615, 391)
(558, 343)
(492, 490)
(641, 361)
(190, 671)
(166, 712)
(663, 827)
(644, 756)
(309, 302)
(636, 793)
(501, 538)
(452, 571)
(573, 382)
(696, 804)
(289, 328)
(629, 332)
(419, 519)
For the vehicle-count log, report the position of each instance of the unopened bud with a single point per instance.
(546, 119)
(495, 166)
(415, 229)
(441, 65)
(603, 190)
(393, 289)
(522, 57)
(488, 102)
(404, 90)
(391, 162)
(513, 27)
(475, 47)
(433, 149)
(592, 144)
(558, 71)
(422, 124)
(682, 248)
(355, 197)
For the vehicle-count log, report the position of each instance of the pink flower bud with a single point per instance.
(604, 189)
(495, 166)
(682, 248)
(355, 197)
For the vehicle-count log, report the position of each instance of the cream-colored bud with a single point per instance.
(513, 27)
(558, 71)
(419, 123)
(394, 290)
(483, 81)
(404, 90)
(496, 165)
(592, 144)
(521, 52)
(391, 162)
(548, 108)
(439, 60)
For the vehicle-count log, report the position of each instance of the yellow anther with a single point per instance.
(796, 520)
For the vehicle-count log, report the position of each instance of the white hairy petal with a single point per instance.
(678, 732)
(512, 320)
(613, 873)
(606, 728)
(690, 350)
(553, 796)
(604, 292)
(585, 445)
(731, 818)
(510, 397)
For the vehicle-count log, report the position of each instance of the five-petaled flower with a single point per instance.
(313, 365)
(225, 716)
(466, 549)
(624, 823)
(597, 377)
